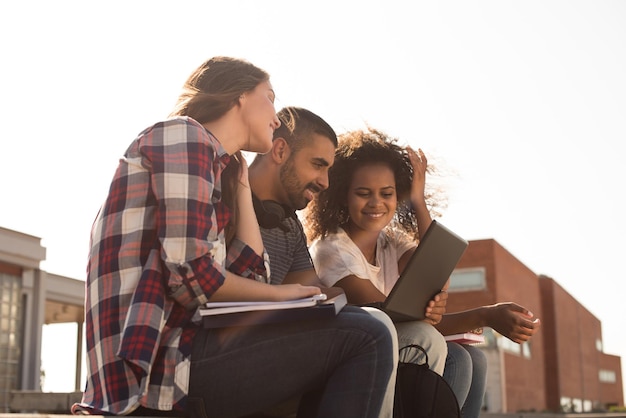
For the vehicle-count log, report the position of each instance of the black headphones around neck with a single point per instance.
(271, 214)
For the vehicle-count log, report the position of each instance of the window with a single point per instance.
(577, 405)
(607, 376)
(10, 336)
(512, 347)
(509, 345)
(465, 279)
(566, 404)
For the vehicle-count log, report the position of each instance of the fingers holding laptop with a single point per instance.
(437, 306)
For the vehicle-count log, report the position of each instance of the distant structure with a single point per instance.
(30, 298)
(562, 368)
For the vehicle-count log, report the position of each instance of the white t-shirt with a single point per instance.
(337, 256)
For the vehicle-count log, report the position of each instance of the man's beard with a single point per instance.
(293, 188)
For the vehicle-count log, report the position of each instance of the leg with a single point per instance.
(427, 336)
(238, 371)
(458, 372)
(474, 400)
(387, 409)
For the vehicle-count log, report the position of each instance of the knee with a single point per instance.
(426, 336)
(479, 360)
(458, 357)
(381, 327)
(388, 323)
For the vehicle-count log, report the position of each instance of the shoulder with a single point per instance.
(330, 244)
(180, 135)
(177, 129)
(395, 237)
(172, 123)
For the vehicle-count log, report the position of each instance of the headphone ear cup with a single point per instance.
(274, 214)
(270, 214)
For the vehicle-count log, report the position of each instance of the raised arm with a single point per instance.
(247, 229)
(418, 187)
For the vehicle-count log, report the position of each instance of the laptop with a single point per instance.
(427, 271)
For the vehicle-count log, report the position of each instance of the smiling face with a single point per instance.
(260, 117)
(372, 198)
(305, 173)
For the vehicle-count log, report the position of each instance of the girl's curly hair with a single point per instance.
(357, 149)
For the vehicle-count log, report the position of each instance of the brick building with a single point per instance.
(562, 367)
(579, 374)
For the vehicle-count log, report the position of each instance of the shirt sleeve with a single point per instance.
(185, 166)
(301, 259)
(333, 261)
(244, 261)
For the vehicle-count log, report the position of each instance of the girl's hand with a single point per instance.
(436, 308)
(513, 321)
(419, 163)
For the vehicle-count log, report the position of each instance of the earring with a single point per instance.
(344, 216)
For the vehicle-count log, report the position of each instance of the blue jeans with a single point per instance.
(426, 336)
(342, 366)
(466, 373)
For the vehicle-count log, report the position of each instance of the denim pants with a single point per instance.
(341, 365)
(466, 373)
(426, 336)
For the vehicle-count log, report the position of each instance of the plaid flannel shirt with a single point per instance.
(157, 252)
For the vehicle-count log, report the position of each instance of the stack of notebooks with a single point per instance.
(229, 314)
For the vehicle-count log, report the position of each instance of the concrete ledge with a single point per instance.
(483, 415)
(554, 415)
(43, 402)
(37, 404)
(18, 415)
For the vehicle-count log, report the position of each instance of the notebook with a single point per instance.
(266, 314)
(426, 272)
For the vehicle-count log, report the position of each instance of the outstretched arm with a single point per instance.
(509, 319)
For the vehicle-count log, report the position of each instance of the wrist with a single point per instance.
(484, 319)
(417, 204)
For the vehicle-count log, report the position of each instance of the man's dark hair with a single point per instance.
(297, 126)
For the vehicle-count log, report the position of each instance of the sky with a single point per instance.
(523, 103)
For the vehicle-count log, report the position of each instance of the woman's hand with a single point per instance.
(237, 288)
(418, 190)
(295, 291)
(418, 187)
